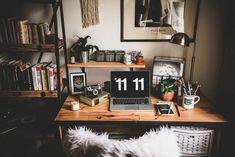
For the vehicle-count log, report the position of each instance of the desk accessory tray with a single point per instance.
(164, 108)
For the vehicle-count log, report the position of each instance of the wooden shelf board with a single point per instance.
(94, 64)
(47, 48)
(29, 94)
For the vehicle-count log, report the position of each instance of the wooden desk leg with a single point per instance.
(60, 133)
(218, 138)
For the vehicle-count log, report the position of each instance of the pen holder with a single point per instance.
(190, 100)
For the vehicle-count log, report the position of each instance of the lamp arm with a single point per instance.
(192, 63)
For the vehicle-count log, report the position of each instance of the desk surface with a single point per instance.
(203, 112)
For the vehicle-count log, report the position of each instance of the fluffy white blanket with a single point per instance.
(82, 142)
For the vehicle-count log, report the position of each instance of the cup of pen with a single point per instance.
(189, 101)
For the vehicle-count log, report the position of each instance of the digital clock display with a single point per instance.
(130, 83)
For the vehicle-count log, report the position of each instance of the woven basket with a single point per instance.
(194, 141)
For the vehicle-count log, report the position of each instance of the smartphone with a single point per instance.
(164, 108)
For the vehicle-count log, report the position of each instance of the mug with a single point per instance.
(127, 59)
(190, 100)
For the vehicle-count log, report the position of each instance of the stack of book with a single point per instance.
(21, 31)
(16, 74)
(94, 100)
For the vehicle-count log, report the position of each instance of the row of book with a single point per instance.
(22, 31)
(16, 74)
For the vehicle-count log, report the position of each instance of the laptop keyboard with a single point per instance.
(131, 101)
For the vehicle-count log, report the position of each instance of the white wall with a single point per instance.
(209, 48)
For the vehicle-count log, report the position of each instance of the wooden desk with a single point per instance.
(202, 115)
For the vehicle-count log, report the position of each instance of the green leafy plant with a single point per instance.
(81, 45)
(168, 86)
(139, 53)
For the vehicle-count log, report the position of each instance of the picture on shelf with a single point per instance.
(78, 82)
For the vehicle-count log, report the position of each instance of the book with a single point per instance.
(41, 34)
(4, 31)
(34, 30)
(24, 31)
(27, 78)
(50, 74)
(44, 75)
(30, 33)
(34, 77)
(94, 100)
(39, 78)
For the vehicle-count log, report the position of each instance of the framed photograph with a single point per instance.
(165, 66)
(157, 20)
(78, 83)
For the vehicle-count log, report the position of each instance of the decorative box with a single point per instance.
(100, 56)
(109, 56)
(119, 56)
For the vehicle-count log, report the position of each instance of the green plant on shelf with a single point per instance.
(80, 45)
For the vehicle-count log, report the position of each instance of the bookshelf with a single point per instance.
(29, 94)
(40, 106)
(12, 44)
(30, 48)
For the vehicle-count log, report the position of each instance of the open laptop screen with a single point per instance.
(130, 84)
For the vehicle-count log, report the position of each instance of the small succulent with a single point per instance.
(168, 86)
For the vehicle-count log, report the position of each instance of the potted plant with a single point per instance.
(168, 89)
(81, 49)
(139, 58)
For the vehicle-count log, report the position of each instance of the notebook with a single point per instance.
(130, 91)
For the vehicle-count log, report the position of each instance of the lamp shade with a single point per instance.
(180, 39)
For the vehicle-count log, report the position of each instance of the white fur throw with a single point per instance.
(82, 142)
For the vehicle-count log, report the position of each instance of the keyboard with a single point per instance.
(130, 101)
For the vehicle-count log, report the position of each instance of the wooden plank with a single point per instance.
(31, 94)
(33, 48)
(94, 64)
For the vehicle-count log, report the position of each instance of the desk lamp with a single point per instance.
(183, 39)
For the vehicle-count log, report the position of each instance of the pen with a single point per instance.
(189, 88)
(195, 92)
(177, 109)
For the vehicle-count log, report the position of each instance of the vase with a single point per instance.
(168, 96)
(82, 56)
(139, 59)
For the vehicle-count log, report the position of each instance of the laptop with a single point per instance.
(130, 91)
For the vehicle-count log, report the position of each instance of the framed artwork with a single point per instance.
(165, 66)
(78, 82)
(158, 20)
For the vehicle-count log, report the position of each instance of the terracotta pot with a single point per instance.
(168, 96)
(139, 59)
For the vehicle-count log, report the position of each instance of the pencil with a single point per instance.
(177, 109)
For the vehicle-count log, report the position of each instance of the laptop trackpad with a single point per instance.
(124, 107)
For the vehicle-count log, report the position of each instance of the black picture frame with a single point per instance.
(130, 32)
(78, 83)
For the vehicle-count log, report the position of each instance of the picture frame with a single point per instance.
(135, 25)
(165, 66)
(78, 83)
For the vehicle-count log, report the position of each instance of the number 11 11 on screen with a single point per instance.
(123, 84)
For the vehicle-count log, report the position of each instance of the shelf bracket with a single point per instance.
(54, 15)
(41, 53)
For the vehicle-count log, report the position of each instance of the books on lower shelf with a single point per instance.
(94, 100)
(17, 75)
